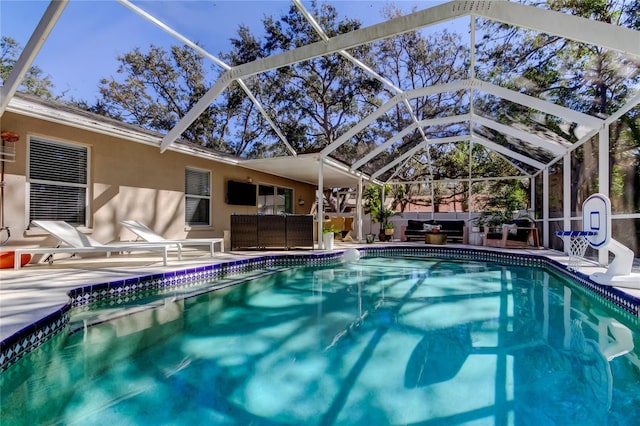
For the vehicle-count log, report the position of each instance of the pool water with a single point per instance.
(374, 342)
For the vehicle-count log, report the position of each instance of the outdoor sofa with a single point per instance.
(455, 230)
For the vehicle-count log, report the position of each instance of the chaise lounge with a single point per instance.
(72, 241)
(150, 236)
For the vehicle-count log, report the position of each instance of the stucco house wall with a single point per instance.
(128, 180)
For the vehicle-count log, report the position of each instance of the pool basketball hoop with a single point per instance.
(596, 232)
(578, 244)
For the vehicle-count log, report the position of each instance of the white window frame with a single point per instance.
(30, 181)
(271, 207)
(198, 196)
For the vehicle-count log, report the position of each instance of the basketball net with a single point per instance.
(577, 247)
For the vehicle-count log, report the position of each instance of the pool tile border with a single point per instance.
(31, 337)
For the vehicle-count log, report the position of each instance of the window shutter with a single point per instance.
(57, 181)
(54, 202)
(197, 189)
(197, 183)
(57, 162)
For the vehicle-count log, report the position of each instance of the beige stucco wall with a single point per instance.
(129, 180)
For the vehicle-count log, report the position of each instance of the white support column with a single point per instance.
(566, 197)
(603, 178)
(532, 191)
(433, 195)
(359, 209)
(472, 75)
(320, 209)
(545, 207)
(470, 192)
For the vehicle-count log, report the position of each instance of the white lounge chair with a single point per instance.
(148, 235)
(71, 240)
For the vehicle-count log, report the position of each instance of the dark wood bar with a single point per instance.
(271, 231)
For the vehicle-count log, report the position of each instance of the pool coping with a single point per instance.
(29, 338)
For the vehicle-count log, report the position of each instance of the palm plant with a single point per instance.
(382, 215)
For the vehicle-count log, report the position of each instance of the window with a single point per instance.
(197, 194)
(274, 200)
(58, 181)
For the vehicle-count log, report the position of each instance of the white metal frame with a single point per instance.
(608, 36)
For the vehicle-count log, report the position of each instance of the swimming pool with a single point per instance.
(385, 340)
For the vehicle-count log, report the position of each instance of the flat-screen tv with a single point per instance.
(241, 193)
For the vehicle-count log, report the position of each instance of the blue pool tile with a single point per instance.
(26, 340)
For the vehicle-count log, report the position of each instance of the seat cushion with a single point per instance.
(415, 225)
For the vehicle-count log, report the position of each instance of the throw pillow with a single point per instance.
(512, 227)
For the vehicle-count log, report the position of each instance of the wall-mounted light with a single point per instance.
(249, 179)
(300, 202)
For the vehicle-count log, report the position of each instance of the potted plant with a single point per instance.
(381, 215)
(389, 229)
(371, 202)
(328, 236)
(478, 223)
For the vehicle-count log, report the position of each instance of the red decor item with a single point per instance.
(10, 136)
(7, 258)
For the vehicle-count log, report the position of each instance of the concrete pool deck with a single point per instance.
(35, 291)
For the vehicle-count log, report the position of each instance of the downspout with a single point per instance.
(320, 209)
(6, 137)
(3, 229)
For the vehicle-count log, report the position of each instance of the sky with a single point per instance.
(90, 34)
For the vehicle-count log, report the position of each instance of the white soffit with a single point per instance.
(304, 168)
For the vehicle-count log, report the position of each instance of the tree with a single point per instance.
(586, 78)
(410, 61)
(158, 89)
(314, 101)
(34, 81)
(249, 134)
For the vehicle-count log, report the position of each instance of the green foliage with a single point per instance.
(311, 102)
(372, 203)
(371, 197)
(158, 88)
(507, 198)
(382, 215)
(34, 81)
(617, 181)
(329, 229)
(315, 102)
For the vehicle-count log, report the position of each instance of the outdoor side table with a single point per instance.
(437, 238)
